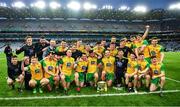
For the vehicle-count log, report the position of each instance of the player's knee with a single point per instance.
(56, 78)
(62, 77)
(76, 76)
(32, 83)
(96, 75)
(44, 81)
(148, 77)
(135, 77)
(163, 79)
(9, 81)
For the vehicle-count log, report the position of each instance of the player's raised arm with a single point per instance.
(146, 32)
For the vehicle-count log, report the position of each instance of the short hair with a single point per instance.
(141, 53)
(42, 37)
(33, 57)
(27, 37)
(14, 56)
(98, 43)
(112, 43)
(152, 57)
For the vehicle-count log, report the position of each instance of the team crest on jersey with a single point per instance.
(93, 62)
(37, 70)
(128, 65)
(153, 53)
(50, 68)
(84, 67)
(119, 64)
(108, 64)
(68, 64)
(155, 71)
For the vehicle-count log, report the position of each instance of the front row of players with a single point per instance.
(53, 71)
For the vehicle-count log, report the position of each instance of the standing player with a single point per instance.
(120, 67)
(81, 67)
(131, 74)
(51, 73)
(92, 74)
(50, 48)
(9, 53)
(143, 73)
(66, 67)
(108, 68)
(157, 72)
(36, 71)
(113, 50)
(15, 73)
(156, 50)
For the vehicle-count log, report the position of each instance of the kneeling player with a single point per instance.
(81, 67)
(143, 73)
(36, 71)
(50, 66)
(131, 74)
(66, 67)
(108, 68)
(15, 73)
(158, 74)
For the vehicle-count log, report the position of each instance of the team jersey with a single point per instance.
(81, 66)
(51, 65)
(156, 69)
(36, 71)
(155, 51)
(113, 52)
(81, 48)
(92, 64)
(131, 66)
(145, 51)
(130, 44)
(67, 65)
(142, 65)
(61, 49)
(99, 50)
(108, 64)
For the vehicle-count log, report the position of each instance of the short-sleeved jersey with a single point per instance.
(92, 64)
(51, 66)
(155, 51)
(67, 65)
(81, 66)
(36, 71)
(113, 52)
(108, 64)
(145, 51)
(131, 66)
(99, 50)
(142, 65)
(81, 48)
(61, 49)
(157, 69)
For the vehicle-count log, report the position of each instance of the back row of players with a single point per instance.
(51, 64)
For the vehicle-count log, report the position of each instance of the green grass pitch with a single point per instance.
(172, 63)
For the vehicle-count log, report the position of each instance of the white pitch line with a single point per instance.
(173, 80)
(84, 96)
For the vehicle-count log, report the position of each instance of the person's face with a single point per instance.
(69, 53)
(122, 43)
(42, 41)
(29, 41)
(73, 48)
(14, 61)
(84, 57)
(113, 39)
(120, 53)
(26, 60)
(51, 55)
(112, 46)
(79, 42)
(52, 43)
(132, 56)
(154, 60)
(141, 57)
(107, 53)
(132, 39)
(92, 54)
(103, 43)
(154, 42)
(87, 47)
(139, 38)
(33, 60)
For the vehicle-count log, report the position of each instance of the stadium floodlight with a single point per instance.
(54, 5)
(174, 6)
(3, 5)
(39, 4)
(124, 8)
(88, 6)
(109, 7)
(18, 4)
(141, 9)
(74, 5)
